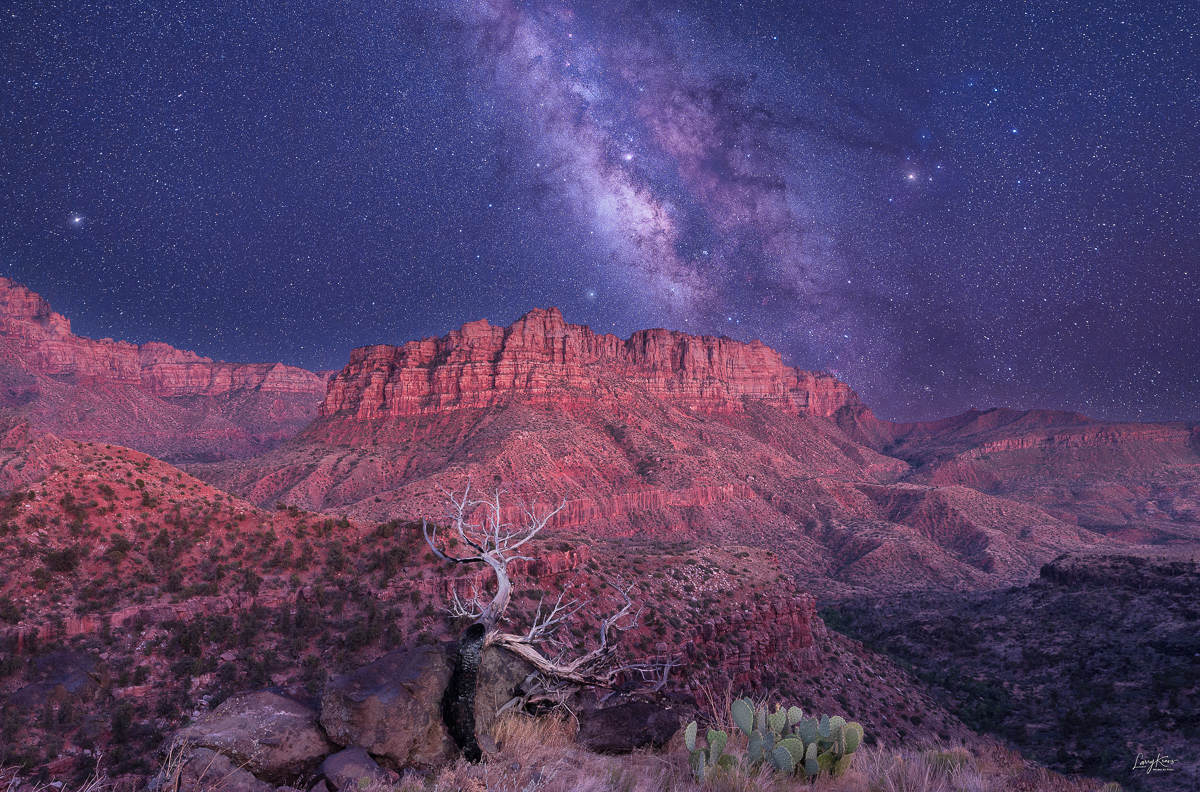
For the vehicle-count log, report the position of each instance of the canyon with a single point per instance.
(665, 434)
(661, 435)
(263, 522)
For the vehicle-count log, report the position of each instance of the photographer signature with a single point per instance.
(1159, 764)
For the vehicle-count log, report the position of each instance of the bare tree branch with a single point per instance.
(592, 668)
(477, 524)
(495, 542)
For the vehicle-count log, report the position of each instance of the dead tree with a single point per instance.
(481, 536)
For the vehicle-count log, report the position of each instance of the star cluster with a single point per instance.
(946, 205)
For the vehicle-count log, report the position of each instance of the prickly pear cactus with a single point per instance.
(794, 747)
(853, 733)
(781, 737)
(811, 768)
(704, 761)
(743, 715)
(716, 744)
(777, 720)
(808, 730)
(781, 760)
(698, 765)
(755, 750)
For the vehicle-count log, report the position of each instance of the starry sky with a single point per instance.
(952, 204)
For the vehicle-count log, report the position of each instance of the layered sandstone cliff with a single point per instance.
(541, 358)
(43, 341)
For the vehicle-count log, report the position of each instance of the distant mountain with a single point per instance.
(1138, 482)
(661, 435)
(164, 401)
(670, 435)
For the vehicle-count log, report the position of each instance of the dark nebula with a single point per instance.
(944, 204)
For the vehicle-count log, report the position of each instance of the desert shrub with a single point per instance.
(251, 582)
(9, 611)
(122, 720)
(335, 559)
(118, 548)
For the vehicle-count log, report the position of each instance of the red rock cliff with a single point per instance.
(43, 341)
(542, 358)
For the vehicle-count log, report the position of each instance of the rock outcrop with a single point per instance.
(752, 647)
(58, 677)
(500, 675)
(352, 769)
(627, 726)
(205, 770)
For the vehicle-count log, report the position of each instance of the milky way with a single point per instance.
(695, 191)
(965, 205)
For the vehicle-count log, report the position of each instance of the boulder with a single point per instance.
(500, 675)
(626, 727)
(275, 737)
(203, 770)
(392, 707)
(346, 769)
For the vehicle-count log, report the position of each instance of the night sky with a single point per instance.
(946, 204)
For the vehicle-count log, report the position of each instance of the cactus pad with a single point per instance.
(743, 715)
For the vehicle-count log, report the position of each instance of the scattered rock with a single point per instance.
(345, 769)
(274, 737)
(203, 770)
(625, 727)
(392, 707)
(488, 745)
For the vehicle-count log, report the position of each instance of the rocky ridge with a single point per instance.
(166, 401)
(43, 341)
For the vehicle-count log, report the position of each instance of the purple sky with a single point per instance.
(946, 205)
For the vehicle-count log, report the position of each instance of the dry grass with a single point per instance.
(540, 755)
(11, 781)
